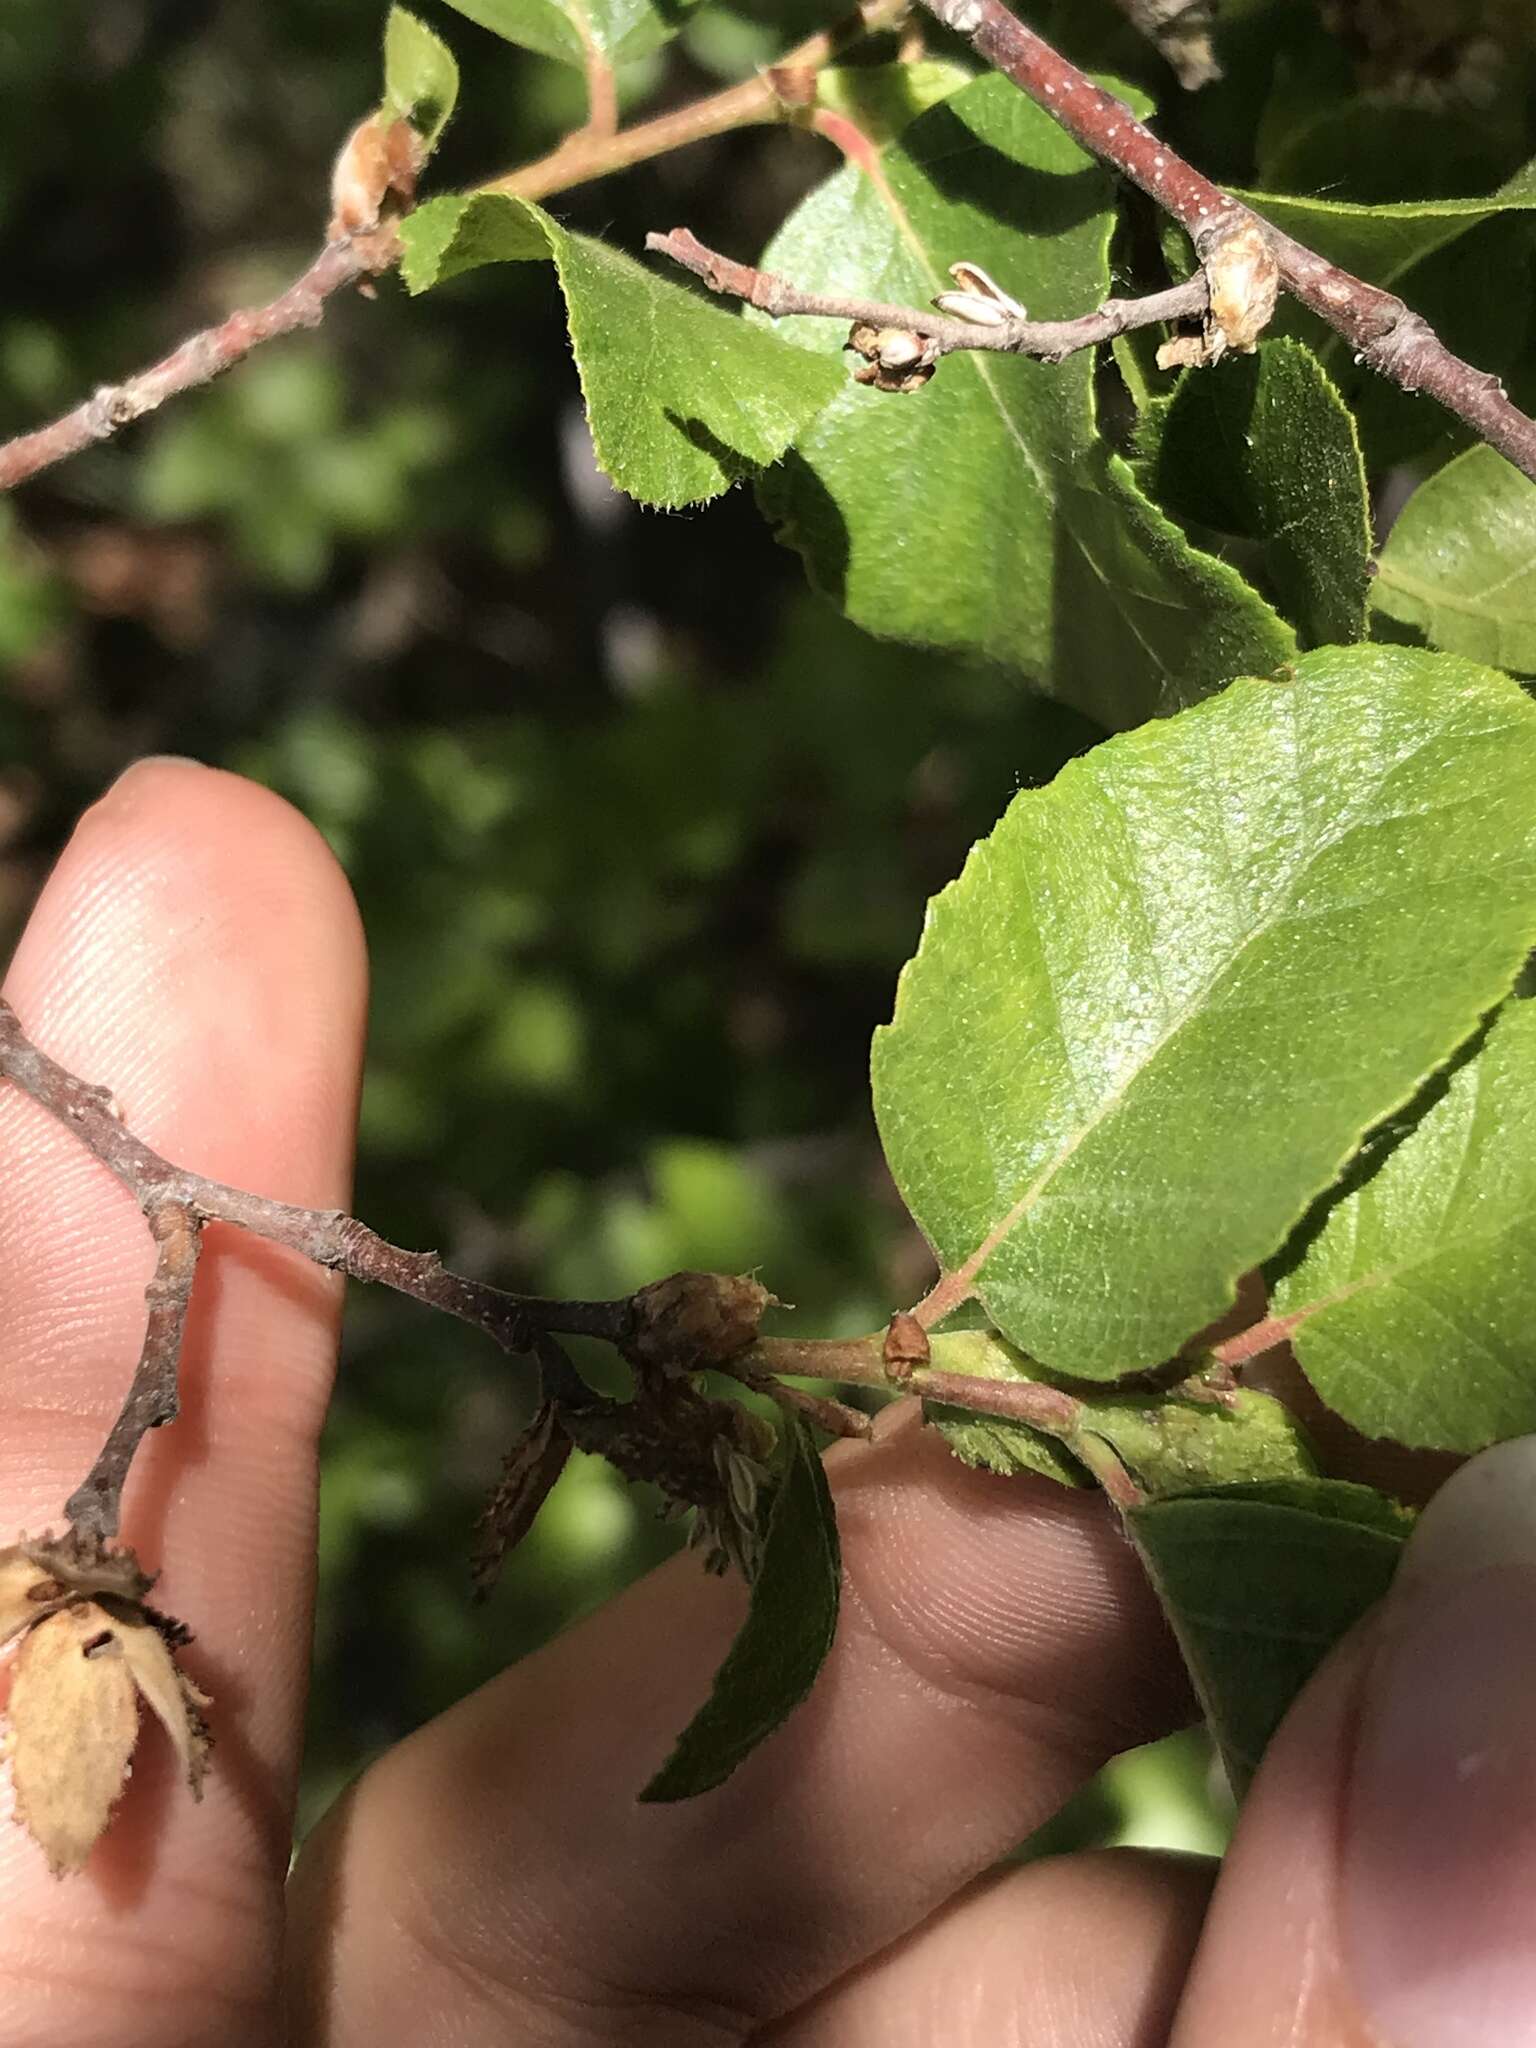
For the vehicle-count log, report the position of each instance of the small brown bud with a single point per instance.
(694, 1320)
(379, 163)
(793, 85)
(906, 1346)
(895, 359)
(1243, 274)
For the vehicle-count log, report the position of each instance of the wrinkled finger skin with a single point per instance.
(493, 1878)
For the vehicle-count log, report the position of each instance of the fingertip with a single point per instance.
(198, 944)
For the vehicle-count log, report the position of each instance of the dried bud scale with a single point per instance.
(692, 1321)
(374, 175)
(89, 1651)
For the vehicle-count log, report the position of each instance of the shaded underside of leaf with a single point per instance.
(1414, 1298)
(1263, 448)
(1258, 1585)
(983, 512)
(683, 399)
(785, 1639)
(1459, 565)
(1156, 1013)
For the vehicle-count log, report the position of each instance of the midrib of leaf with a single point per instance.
(1396, 1275)
(958, 1284)
(1465, 601)
(983, 369)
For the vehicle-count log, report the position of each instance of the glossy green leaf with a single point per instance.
(1259, 1583)
(1155, 1014)
(1460, 564)
(784, 1641)
(1168, 1443)
(985, 512)
(1412, 1304)
(575, 30)
(1263, 448)
(421, 79)
(683, 398)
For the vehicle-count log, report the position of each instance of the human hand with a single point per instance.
(493, 1880)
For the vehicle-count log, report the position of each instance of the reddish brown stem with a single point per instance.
(1051, 340)
(1029, 1401)
(199, 359)
(592, 152)
(94, 1508)
(1258, 1338)
(1400, 345)
(829, 1414)
(329, 1237)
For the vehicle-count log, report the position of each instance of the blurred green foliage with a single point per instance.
(641, 832)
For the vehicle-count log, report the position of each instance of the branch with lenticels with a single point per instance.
(1397, 343)
(1245, 263)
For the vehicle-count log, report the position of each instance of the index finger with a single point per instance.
(197, 950)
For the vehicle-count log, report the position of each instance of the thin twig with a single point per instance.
(755, 101)
(1397, 343)
(328, 1237)
(1050, 340)
(592, 152)
(197, 360)
(94, 1508)
(1031, 1402)
(828, 1413)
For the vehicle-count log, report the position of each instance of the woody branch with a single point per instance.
(1051, 340)
(1396, 342)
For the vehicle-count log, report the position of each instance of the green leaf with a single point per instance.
(1460, 564)
(882, 99)
(1155, 1014)
(421, 79)
(984, 512)
(573, 31)
(1464, 264)
(1259, 1583)
(1380, 243)
(783, 1643)
(1168, 1442)
(1262, 447)
(683, 399)
(1381, 151)
(1412, 1304)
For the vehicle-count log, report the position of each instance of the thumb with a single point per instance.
(1379, 1889)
